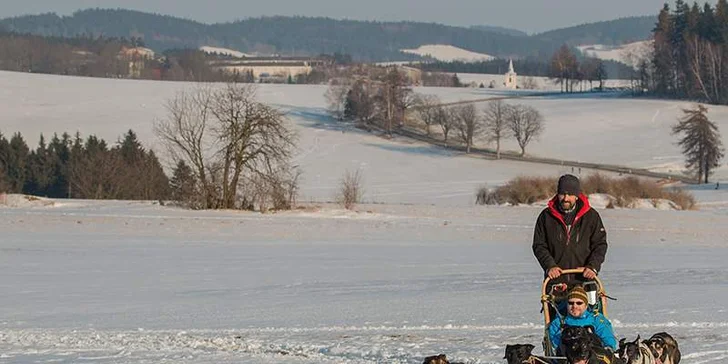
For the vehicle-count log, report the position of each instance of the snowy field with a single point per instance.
(419, 271)
(133, 282)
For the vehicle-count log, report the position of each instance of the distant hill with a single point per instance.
(613, 32)
(306, 36)
(501, 30)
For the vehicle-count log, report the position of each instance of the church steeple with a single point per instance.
(510, 77)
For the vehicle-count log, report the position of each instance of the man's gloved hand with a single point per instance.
(554, 272)
(589, 273)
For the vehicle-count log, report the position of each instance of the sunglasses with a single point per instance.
(575, 303)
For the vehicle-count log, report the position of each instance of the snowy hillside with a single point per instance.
(631, 132)
(448, 53)
(629, 54)
(224, 51)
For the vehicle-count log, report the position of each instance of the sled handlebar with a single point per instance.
(545, 295)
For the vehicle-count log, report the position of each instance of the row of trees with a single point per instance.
(78, 56)
(568, 71)
(72, 167)
(497, 122)
(229, 151)
(383, 100)
(101, 57)
(380, 97)
(105, 57)
(690, 55)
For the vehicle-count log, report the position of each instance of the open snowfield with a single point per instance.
(420, 271)
(133, 282)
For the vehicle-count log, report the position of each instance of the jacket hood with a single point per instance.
(553, 207)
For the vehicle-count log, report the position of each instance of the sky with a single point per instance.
(526, 15)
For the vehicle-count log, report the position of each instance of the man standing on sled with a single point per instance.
(569, 234)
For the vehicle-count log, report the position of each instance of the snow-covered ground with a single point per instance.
(422, 274)
(134, 282)
(448, 53)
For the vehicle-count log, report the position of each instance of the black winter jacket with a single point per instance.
(584, 246)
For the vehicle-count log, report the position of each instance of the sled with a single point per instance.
(553, 307)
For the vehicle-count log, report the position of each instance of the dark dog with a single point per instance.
(518, 354)
(581, 346)
(437, 359)
(635, 352)
(664, 348)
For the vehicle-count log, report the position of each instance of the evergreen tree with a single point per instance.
(4, 155)
(40, 170)
(59, 148)
(701, 143)
(721, 21)
(182, 184)
(707, 26)
(677, 40)
(456, 81)
(17, 163)
(350, 106)
(156, 181)
(131, 149)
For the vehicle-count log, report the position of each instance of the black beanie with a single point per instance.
(568, 184)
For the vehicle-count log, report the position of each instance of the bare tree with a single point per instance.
(494, 123)
(360, 103)
(336, 99)
(445, 118)
(564, 67)
(467, 123)
(525, 123)
(394, 97)
(426, 106)
(529, 83)
(277, 190)
(184, 132)
(701, 143)
(706, 66)
(226, 136)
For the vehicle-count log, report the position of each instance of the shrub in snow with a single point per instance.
(350, 190)
(603, 192)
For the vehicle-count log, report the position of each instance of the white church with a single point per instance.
(511, 80)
